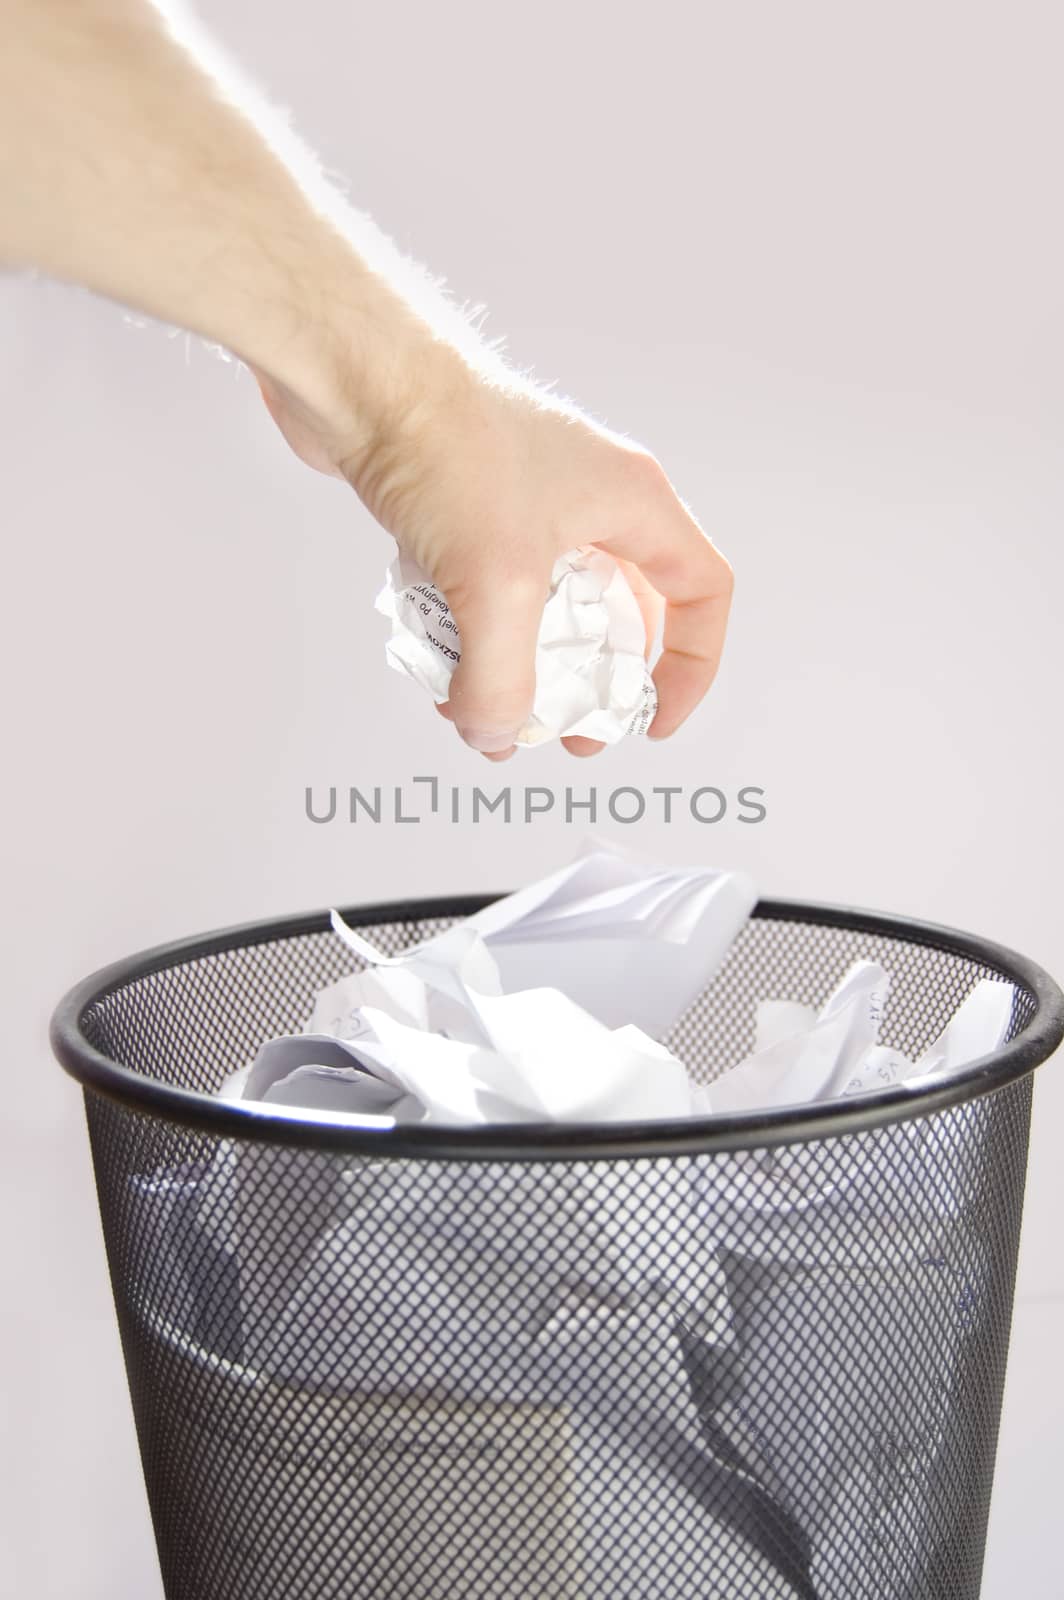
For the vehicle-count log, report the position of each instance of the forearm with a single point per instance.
(130, 165)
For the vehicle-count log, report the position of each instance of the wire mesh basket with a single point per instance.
(742, 1357)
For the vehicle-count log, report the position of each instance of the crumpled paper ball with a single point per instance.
(591, 674)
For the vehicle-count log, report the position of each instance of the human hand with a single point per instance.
(130, 162)
(484, 484)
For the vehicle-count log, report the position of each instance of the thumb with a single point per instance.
(494, 684)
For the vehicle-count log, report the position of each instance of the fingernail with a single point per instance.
(489, 740)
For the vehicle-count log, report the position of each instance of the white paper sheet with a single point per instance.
(591, 674)
(545, 1006)
(803, 1055)
(538, 1058)
(629, 941)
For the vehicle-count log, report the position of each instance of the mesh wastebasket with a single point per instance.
(743, 1358)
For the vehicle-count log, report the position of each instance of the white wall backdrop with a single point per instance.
(811, 256)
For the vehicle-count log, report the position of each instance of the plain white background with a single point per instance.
(812, 257)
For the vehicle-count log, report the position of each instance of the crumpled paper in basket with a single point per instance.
(591, 672)
(546, 1005)
(806, 1056)
(470, 1298)
(802, 1054)
(869, 1231)
(431, 1035)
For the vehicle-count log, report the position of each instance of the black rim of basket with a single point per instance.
(550, 1141)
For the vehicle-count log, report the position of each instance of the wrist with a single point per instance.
(353, 358)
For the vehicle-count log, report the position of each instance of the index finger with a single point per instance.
(696, 582)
